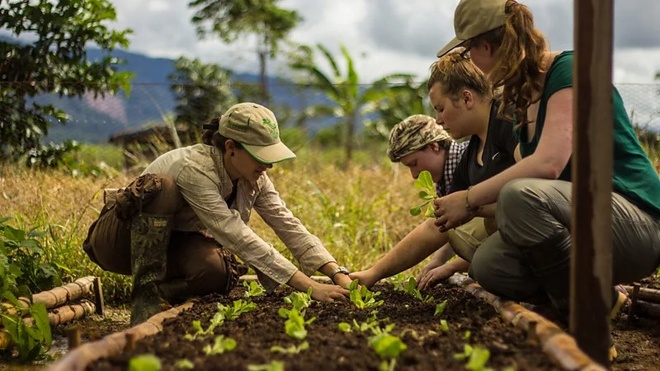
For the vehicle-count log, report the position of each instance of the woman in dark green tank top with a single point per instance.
(531, 253)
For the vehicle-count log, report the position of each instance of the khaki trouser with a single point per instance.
(198, 260)
(530, 254)
(465, 239)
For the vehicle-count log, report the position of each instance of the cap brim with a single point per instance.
(453, 44)
(270, 154)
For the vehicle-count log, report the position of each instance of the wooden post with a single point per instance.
(98, 296)
(591, 260)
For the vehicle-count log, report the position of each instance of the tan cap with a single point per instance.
(255, 127)
(474, 17)
(413, 134)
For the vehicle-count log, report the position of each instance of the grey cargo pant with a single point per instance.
(530, 255)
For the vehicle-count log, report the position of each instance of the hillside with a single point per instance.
(95, 120)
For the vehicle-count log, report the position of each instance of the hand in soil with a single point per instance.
(434, 276)
(367, 277)
(342, 280)
(325, 292)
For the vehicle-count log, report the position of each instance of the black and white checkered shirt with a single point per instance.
(453, 158)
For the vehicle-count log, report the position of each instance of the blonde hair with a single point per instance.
(519, 49)
(455, 73)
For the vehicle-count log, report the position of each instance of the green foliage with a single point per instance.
(295, 322)
(55, 63)
(409, 286)
(299, 300)
(184, 364)
(201, 91)
(273, 366)
(29, 341)
(477, 358)
(440, 308)
(229, 313)
(144, 362)
(231, 19)
(25, 260)
(362, 297)
(253, 289)
(444, 325)
(293, 349)
(220, 345)
(237, 308)
(62, 156)
(387, 346)
(424, 183)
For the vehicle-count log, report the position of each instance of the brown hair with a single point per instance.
(519, 49)
(211, 136)
(456, 72)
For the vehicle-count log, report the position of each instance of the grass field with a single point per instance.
(359, 212)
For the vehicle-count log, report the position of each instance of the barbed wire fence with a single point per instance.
(98, 119)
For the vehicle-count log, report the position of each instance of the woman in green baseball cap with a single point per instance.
(530, 256)
(178, 226)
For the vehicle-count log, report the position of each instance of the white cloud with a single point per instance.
(383, 36)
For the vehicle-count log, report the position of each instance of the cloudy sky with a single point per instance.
(385, 36)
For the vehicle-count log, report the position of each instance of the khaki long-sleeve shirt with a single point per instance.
(199, 172)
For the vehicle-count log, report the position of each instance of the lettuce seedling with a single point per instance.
(477, 357)
(424, 183)
(184, 364)
(144, 362)
(291, 349)
(387, 346)
(273, 366)
(220, 345)
(237, 308)
(253, 289)
(295, 323)
(444, 326)
(410, 287)
(440, 308)
(299, 300)
(362, 297)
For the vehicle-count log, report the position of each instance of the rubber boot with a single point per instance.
(175, 291)
(150, 236)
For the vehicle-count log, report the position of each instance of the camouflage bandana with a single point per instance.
(413, 134)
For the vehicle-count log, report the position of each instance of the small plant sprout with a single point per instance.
(424, 183)
(144, 362)
(467, 335)
(388, 347)
(291, 349)
(199, 331)
(253, 289)
(362, 297)
(220, 345)
(410, 287)
(299, 300)
(295, 323)
(477, 358)
(273, 366)
(237, 308)
(184, 364)
(444, 326)
(440, 308)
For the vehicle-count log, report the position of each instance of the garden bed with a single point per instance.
(470, 321)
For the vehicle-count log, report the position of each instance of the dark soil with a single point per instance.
(637, 340)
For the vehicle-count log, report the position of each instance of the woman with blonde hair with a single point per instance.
(530, 254)
(464, 105)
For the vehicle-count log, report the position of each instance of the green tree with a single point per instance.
(350, 102)
(230, 19)
(201, 91)
(404, 99)
(54, 63)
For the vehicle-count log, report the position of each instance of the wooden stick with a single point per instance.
(98, 296)
(633, 301)
(59, 295)
(651, 295)
(73, 337)
(115, 343)
(557, 344)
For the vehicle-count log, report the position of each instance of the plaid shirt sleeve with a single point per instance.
(454, 156)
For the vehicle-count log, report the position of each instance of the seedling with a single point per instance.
(299, 300)
(424, 183)
(370, 324)
(291, 349)
(387, 346)
(362, 297)
(144, 362)
(477, 358)
(273, 366)
(253, 289)
(410, 287)
(220, 345)
(295, 323)
(184, 364)
(444, 326)
(199, 331)
(440, 308)
(238, 307)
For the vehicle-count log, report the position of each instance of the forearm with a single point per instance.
(458, 265)
(412, 249)
(487, 211)
(486, 192)
(443, 254)
(301, 282)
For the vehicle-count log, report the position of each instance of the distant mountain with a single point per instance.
(96, 119)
